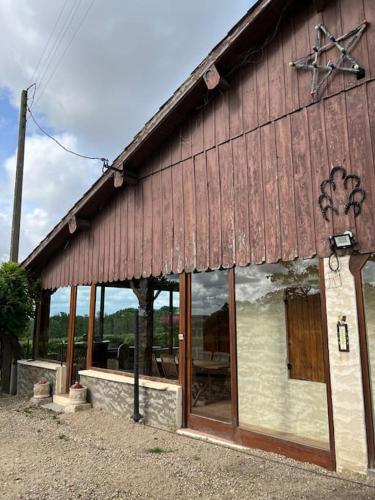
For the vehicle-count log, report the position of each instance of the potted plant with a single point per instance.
(42, 389)
(77, 394)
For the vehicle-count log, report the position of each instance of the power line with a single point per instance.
(67, 47)
(48, 42)
(59, 39)
(104, 160)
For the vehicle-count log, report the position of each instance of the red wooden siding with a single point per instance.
(238, 182)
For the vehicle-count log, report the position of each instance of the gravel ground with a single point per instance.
(94, 455)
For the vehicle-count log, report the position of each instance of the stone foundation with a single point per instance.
(29, 372)
(160, 403)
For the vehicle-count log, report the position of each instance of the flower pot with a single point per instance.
(77, 395)
(41, 390)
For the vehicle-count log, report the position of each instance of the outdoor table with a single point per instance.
(211, 367)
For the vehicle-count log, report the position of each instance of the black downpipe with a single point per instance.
(136, 415)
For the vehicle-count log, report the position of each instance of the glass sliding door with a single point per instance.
(209, 346)
(280, 362)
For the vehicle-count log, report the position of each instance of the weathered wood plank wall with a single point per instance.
(238, 183)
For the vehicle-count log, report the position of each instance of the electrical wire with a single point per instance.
(59, 39)
(48, 42)
(66, 48)
(104, 160)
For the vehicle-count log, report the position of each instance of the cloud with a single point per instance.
(53, 182)
(126, 60)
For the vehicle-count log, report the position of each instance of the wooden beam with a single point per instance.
(76, 223)
(124, 177)
(213, 78)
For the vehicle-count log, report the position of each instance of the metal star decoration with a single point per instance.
(345, 62)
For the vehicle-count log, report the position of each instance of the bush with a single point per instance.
(17, 294)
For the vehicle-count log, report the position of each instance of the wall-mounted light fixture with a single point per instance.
(342, 241)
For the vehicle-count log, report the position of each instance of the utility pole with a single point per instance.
(16, 221)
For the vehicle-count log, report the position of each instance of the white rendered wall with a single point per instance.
(267, 397)
(346, 375)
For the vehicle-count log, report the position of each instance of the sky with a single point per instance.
(106, 70)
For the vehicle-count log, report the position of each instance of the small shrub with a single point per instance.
(156, 450)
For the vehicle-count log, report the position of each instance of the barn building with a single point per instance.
(239, 223)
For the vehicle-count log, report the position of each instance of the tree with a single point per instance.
(17, 294)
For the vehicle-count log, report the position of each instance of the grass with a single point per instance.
(156, 450)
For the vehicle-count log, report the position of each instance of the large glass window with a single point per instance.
(368, 283)
(54, 331)
(114, 327)
(157, 300)
(281, 389)
(210, 354)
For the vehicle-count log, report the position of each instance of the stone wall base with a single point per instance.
(160, 403)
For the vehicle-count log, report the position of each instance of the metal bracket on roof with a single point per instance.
(107, 166)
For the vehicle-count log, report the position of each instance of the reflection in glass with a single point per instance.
(158, 299)
(81, 328)
(210, 354)
(114, 327)
(281, 389)
(368, 284)
(54, 334)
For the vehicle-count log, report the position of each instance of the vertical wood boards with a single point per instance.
(288, 44)
(241, 202)
(271, 193)
(249, 98)
(256, 200)
(214, 209)
(320, 170)
(147, 223)
(131, 232)
(168, 223)
(275, 64)
(123, 231)
(157, 224)
(235, 106)
(302, 184)
(222, 118)
(287, 206)
(338, 154)
(202, 214)
(362, 163)
(138, 229)
(189, 217)
(352, 15)
(227, 204)
(178, 218)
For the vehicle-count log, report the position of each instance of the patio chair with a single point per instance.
(168, 363)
